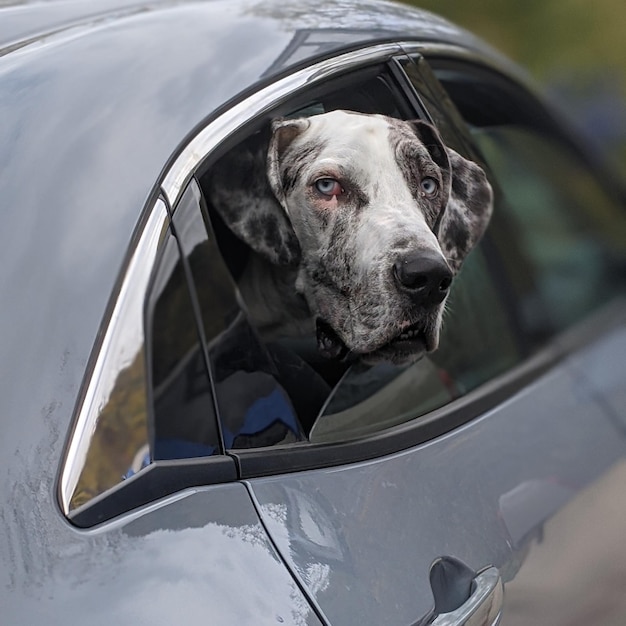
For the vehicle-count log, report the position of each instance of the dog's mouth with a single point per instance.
(412, 337)
(409, 344)
(406, 347)
(328, 341)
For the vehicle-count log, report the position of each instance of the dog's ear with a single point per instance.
(238, 189)
(284, 132)
(468, 211)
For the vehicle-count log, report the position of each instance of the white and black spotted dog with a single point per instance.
(364, 224)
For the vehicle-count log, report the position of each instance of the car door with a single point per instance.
(415, 493)
(401, 495)
(568, 212)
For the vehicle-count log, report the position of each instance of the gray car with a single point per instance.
(162, 464)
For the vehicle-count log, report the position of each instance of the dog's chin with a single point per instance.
(405, 348)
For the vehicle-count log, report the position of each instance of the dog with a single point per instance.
(359, 224)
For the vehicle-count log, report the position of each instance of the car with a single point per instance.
(162, 463)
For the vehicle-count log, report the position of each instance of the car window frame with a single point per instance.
(162, 478)
(277, 459)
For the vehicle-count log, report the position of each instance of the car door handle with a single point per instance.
(482, 608)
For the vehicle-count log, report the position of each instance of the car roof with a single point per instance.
(95, 99)
(27, 21)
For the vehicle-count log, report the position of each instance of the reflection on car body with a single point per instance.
(164, 460)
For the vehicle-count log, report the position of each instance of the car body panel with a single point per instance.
(24, 23)
(96, 100)
(87, 201)
(595, 367)
(174, 562)
(369, 532)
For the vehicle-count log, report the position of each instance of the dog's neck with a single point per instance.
(270, 298)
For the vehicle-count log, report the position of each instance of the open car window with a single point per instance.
(206, 395)
(476, 345)
(338, 400)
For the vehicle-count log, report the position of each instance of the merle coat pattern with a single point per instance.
(360, 223)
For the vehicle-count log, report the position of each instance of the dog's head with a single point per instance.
(383, 215)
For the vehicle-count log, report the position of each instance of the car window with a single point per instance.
(183, 419)
(336, 401)
(256, 386)
(563, 217)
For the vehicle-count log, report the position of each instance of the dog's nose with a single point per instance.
(424, 275)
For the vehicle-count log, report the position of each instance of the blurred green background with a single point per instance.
(576, 49)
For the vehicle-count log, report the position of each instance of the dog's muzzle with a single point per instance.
(422, 279)
(407, 346)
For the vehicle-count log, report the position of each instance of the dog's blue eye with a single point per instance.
(328, 187)
(429, 186)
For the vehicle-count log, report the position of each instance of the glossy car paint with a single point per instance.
(196, 557)
(91, 115)
(95, 100)
(480, 493)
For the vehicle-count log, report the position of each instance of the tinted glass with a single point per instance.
(256, 386)
(184, 416)
(562, 217)
(566, 223)
(111, 438)
(119, 445)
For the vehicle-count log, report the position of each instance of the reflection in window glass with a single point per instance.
(184, 416)
(565, 223)
(254, 405)
(119, 446)
(110, 440)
